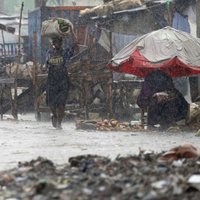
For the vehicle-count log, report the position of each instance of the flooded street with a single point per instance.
(27, 139)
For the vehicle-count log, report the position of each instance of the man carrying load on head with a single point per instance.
(57, 60)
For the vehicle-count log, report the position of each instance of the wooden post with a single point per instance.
(111, 84)
(86, 95)
(15, 108)
(3, 85)
(198, 33)
(110, 100)
(110, 39)
(34, 58)
(35, 83)
(4, 49)
(1, 100)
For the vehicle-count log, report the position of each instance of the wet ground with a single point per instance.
(27, 139)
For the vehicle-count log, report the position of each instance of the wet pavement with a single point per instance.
(27, 139)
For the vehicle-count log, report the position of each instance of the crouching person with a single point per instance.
(164, 104)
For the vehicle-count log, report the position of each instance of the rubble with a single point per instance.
(140, 176)
(116, 125)
(108, 125)
(190, 124)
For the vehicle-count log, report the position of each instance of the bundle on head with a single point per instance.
(56, 27)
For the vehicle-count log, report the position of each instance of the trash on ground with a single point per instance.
(97, 177)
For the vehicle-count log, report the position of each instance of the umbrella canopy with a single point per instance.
(175, 52)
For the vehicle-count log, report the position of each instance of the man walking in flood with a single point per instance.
(57, 60)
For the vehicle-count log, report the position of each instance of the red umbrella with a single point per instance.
(175, 52)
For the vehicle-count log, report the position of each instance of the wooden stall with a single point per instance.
(13, 75)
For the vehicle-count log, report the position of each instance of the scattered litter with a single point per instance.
(98, 177)
(194, 180)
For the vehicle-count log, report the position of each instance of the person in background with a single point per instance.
(57, 61)
(164, 104)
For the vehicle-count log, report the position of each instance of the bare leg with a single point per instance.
(54, 117)
(60, 111)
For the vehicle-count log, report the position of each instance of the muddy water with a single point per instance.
(27, 139)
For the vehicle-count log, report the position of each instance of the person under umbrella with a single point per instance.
(164, 104)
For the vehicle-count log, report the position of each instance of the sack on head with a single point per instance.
(56, 27)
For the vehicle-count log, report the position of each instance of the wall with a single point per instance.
(136, 23)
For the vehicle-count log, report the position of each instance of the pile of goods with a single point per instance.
(108, 125)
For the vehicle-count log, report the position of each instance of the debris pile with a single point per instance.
(141, 176)
(191, 124)
(108, 125)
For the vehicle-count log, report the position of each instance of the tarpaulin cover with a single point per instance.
(170, 50)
